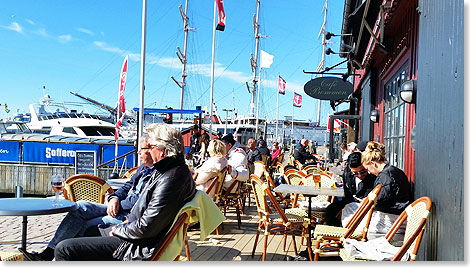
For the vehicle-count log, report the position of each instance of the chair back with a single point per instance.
(213, 186)
(297, 164)
(259, 188)
(416, 216)
(260, 167)
(86, 187)
(181, 222)
(129, 173)
(220, 185)
(309, 169)
(366, 208)
(265, 158)
(294, 177)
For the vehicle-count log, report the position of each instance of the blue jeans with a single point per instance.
(76, 222)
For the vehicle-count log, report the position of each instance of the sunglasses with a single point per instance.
(364, 171)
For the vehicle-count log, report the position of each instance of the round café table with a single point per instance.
(31, 206)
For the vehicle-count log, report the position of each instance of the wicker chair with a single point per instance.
(293, 222)
(11, 256)
(181, 222)
(129, 173)
(416, 216)
(86, 187)
(330, 238)
(232, 197)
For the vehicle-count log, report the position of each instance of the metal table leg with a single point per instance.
(24, 233)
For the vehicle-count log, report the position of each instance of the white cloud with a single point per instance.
(42, 32)
(65, 38)
(30, 21)
(89, 32)
(14, 26)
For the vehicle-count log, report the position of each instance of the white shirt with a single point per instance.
(237, 158)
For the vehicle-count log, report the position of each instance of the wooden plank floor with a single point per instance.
(237, 244)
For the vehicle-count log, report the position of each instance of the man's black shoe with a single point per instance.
(31, 256)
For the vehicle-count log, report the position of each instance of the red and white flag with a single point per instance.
(336, 125)
(297, 100)
(281, 86)
(121, 107)
(220, 7)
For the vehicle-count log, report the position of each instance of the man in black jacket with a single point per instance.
(85, 219)
(301, 154)
(170, 187)
(357, 184)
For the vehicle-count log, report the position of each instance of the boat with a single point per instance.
(54, 118)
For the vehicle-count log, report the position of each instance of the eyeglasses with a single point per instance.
(361, 172)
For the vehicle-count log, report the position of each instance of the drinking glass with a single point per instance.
(57, 182)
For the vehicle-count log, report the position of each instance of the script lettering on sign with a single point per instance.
(328, 88)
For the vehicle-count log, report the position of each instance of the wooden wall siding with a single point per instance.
(439, 166)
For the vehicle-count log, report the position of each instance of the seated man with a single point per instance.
(170, 187)
(254, 153)
(90, 214)
(301, 154)
(357, 184)
(237, 162)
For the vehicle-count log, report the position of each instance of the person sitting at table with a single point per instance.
(85, 219)
(301, 154)
(394, 197)
(169, 189)
(357, 184)
(237, 161)
(212, 166)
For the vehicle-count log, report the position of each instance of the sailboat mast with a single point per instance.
(322, 56)
(212, 70)
(142, 72)
(255, 60)
(183, 56)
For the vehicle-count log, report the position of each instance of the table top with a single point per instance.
(309, 190)
(26, 206)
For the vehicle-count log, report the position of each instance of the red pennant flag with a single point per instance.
(297, 100)
(121, 104)
(282, 86)
(336, 125)
(220, 7)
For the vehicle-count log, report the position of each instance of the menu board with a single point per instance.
(85, 162)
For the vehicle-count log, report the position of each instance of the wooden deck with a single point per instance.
(234, 244)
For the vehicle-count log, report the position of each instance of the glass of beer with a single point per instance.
(57, 182)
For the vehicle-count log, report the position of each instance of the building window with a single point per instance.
(395, 119)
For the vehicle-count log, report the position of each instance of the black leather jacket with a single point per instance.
(170, 187)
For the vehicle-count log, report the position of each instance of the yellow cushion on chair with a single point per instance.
(334, 231)
(11, 256)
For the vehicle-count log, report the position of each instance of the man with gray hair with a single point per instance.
(170, 187)
(85, 219)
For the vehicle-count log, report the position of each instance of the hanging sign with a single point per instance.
(328, 88)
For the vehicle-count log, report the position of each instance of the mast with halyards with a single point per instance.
(254, 61)
(321, 66)
(182, 56)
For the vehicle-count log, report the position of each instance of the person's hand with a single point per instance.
(113, 207)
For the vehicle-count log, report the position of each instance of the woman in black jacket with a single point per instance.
(170, 187)
(395, 195)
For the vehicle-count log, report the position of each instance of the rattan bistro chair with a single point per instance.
(330, 238)
(293, 222)
(86, 187)
(11, 256)
(416, 216)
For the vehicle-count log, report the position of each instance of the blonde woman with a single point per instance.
(394, 197)
(396, 190)
(212, 166)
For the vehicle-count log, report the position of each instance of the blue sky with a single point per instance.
(79, 46)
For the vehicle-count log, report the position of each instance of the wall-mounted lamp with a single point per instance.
(330, 51)
(408, 91)
(328, 35)
(374, 115)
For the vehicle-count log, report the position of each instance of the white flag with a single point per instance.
(265, 60)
